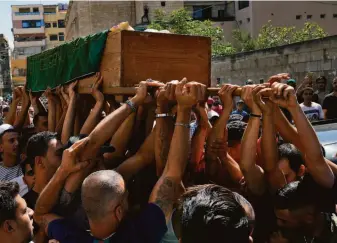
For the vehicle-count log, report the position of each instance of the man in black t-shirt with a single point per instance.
(330, 102)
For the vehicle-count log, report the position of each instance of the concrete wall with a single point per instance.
(317, 56)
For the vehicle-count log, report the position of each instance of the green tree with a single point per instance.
(181, 22)
(242, 41)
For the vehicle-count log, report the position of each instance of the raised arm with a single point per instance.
(51, 110)
(167, 189)
(120, 141)
(103, 131)
(96, 112)
(274, 175)
(17, 96)
(68, 125)
(317, 166)
(20, 121)
(218, 130)
(254, 175)
(143, 157)
(51, 193)
(164, 124)
(200, 135)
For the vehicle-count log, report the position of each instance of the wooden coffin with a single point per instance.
(130, 57)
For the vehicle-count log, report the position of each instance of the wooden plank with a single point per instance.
(164, 57)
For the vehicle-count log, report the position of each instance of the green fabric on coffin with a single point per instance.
(65, 63)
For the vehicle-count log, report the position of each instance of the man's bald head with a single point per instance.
(101, 193)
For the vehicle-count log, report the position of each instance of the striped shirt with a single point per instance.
(9, 173)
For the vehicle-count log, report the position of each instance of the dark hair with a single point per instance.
(38, 145)
(211, 213)
(8, 192)
(321, 78)
(38, 115)
(236, 130)
(303, 193)
(292, 154)
(308, 89)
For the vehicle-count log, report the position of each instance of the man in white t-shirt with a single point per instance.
(10, 169)
(312, 110)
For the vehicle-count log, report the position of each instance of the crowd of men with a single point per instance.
(169, 165)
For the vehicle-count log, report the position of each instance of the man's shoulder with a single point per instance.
(314, 104)
(330, 96)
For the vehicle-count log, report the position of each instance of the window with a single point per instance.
(47, 25)
(221, 14)
(322, 16)
(48, 10)
(54, 25)
(248, 20)
(298, 16)
(24, 10)
(243, 4)
(309, 16)
(53, 38)
(163, 4)
(202, 12)
(35, 10)
(61, 23)
(61, 36)
(32, 23)
(334, 16)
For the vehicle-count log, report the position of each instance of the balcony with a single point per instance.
(27, 16)
(29, 13)
(29, 43)
(28, 30)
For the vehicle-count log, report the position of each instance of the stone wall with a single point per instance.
(317, 56)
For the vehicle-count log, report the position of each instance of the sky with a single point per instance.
(6, 17)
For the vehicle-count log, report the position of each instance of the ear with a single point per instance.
(119, 213)
(180, 241)
(1, 148)
(301, 171)
(39, 162)
(8, 226)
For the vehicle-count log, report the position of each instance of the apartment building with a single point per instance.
(5, 80)
(35, 28)
(252, 15)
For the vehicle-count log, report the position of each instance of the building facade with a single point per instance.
(252, 15)
(35, 28)
(88, 17)
(5, 78)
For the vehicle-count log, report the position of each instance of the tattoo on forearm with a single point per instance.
(166, 195)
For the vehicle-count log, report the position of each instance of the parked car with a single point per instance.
(327, 135)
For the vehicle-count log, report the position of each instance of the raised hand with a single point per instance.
(259, 96)
(64, 95)
(17, 94)
(71, 90)
(226, 95)
(218, 149)
(278, 78)
(142, 91)
(246, 95)
(25, 95)
(283, 95)
(96, 93)
(70, 163)
(187, 96)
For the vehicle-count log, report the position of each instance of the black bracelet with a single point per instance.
(253, 115)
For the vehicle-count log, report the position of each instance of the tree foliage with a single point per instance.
(181, 22)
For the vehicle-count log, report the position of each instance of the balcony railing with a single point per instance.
(48, 13)
(29, 43)
(29, 13)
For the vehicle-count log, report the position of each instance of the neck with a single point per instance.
(9, 160)
(335, 93)
(101, 230)
(307, 103)
(316, 228)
